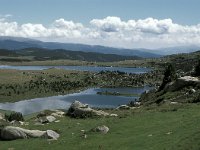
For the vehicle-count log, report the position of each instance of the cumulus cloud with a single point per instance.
(109, 31)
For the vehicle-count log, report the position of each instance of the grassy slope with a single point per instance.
(131, 131)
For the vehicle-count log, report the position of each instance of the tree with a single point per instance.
(197, 69)
(169, 76)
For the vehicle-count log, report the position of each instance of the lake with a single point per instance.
(80, 68)
(88, 96)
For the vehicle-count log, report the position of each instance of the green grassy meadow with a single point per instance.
(167, 127)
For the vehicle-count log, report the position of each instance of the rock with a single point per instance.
(46, 119)
(13, 133)
(113, 115)
(173, 103)
(58, 113)
(2, 116)
(52, 135)
(50, 118)
(77, 109)
(193, 91)
(181, 83)
(102, 129)
(15, 123)
(123, 107)
(134, 104)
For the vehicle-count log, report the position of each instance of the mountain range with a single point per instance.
(18, 43)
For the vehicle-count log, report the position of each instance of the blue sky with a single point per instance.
(45, 11)
(118, 23)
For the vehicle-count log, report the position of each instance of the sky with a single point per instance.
(117, 23)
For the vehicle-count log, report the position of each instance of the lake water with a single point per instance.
(88, 96)
(80, 68)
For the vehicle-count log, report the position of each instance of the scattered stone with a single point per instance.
(50, 118)
(46, 119)
(102, 129)
(193, 91)
(2, 116)
(52, 135)
(168, 133)
(113, 115)
(57, 121)
(123, 107)
(15, 123)
(58, 113)
(173, 103)
(150, 135)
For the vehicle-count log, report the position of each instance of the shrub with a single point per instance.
(169, 76)
(14, 116)
(197, 69)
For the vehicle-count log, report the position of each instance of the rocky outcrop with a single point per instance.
(13, 133)
(79, 110)
(102, 129)
(181, 83)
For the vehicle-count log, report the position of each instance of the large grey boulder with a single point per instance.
(77, 109)
(181, 83)
(13, 133)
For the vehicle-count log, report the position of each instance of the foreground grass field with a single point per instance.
(170, 127)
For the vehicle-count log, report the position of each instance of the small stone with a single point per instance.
(113, 115)
(102, 129)
(52, 135)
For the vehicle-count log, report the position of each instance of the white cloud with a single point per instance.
(110, 31)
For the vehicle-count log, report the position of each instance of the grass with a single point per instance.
(149, 129)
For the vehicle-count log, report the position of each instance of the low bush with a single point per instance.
(14, 116)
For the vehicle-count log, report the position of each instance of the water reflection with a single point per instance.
(89, 96)
(80, 68)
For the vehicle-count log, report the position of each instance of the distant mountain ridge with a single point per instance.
(22, 43)
(58, 54)
(16, 43)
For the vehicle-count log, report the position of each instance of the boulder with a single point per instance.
(181, 83)
(13, 133)
(123, 107)
(52, 135)
(46, 119)
(79, 110)
(50, 118)
(102, 129)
